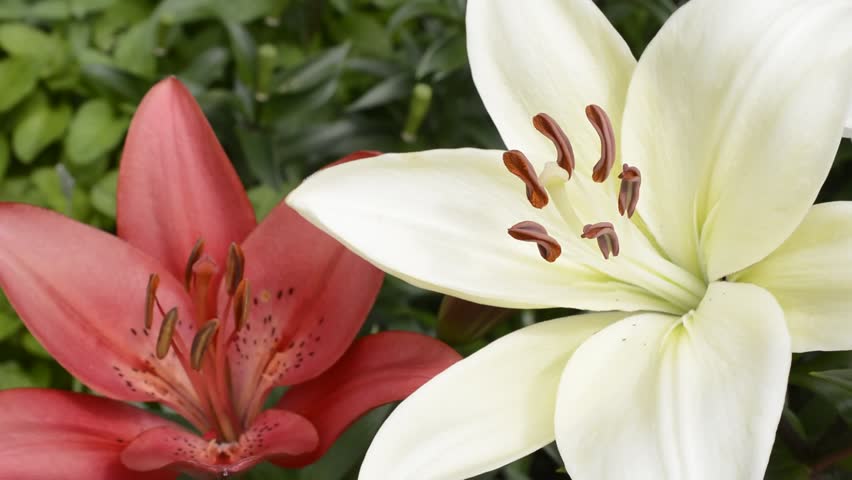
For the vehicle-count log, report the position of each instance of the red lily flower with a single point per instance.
(231, 310)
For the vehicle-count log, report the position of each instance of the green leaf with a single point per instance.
(40, 126)
(832, 385)
(18, 77)
(95, 130)
(32, 345)
(5, 155)
(51, 10)
(245, 50)
(48, 53)
(443, 57)
(13, 376)
(315, 71)
(384, 92)
(207, 67)
(50, 184)
(264, 198)
(115, 80)
(9, 324)
(134, 50)
(81, 8)
(244, 12)
(103, 194)
(367, 34)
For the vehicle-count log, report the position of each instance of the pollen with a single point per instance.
(628, 195)
(529, 231)
(519, 165)
(548, 127)
(605, 234)
(600, 120)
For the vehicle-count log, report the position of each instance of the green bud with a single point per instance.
(421, 99)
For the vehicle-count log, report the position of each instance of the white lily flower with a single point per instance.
(729, 123)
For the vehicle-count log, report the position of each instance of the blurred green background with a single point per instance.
(290, 85)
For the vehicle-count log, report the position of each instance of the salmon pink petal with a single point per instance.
(82, 293)
(50, 434)
(176, 184)
(378, 369)
(274, 433)
(310, 296)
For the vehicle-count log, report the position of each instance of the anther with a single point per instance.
(234, 268)
(528, 231)
(604, 232)
(201, 342)
(520, 166)
(548, 127)
(194, 255)
(150, 299)
(167, 331)
(628, 195)
(600, 120)
(242, 302)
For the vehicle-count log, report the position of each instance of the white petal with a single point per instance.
(847, 132)
(734, 116)
(487, 410)
(551, 56)
(653, 398)
(439, 220)
(811, 276)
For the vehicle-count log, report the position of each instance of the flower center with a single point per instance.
(205, 361)
(519, 165)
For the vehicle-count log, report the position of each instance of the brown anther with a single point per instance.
(201, 342)
(194, 255)
(242, 303)
(600, 120)
(604, 232)
(167, 331)
(528, 231)
(628, 195)
(151, 299)
(520, 166)
(548, 127)
(234, 268)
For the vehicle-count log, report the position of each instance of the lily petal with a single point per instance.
(276, 432)
(49, 434)
(81, 293)
(847, 132)
(485, 411)
(551, 56)
(811, 276)
(175, 183)
(438, 219)
(310, 298)
(734, 116)
(377, 369)
(659, 394)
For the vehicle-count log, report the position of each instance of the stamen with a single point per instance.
(150, 299)
(548, 127)
(194, 255)
(242, 304)
(600, 120)
(167, 331)
(628, 195)
(234, 268)
(528, 231)
(202, 273)
(201, 342)
(604, 232)
(520, 166)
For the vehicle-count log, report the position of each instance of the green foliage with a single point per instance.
(290, 85)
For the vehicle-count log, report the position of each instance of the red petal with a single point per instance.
(378, 369)
(355, 156)
(50, 434)
(310, 298)
(81, 292)
(275, 433)
(176, 184)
